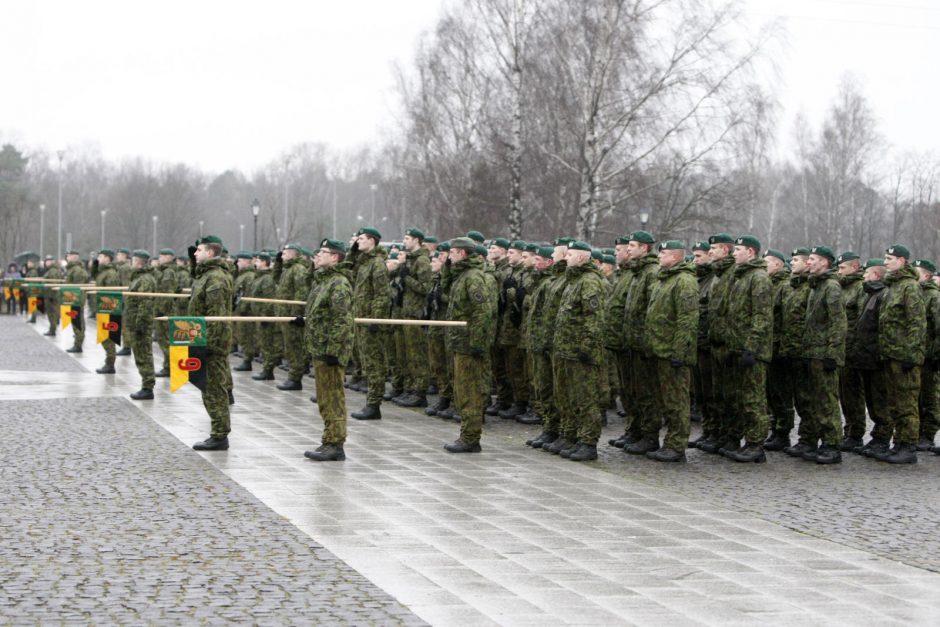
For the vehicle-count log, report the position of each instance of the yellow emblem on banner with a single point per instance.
(178, 376)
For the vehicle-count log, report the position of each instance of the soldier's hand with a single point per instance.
(907, 366)
(192, 253)
(747, 359)
(676, 363)
(280, 257)
(372, 328)
(298, 322)
(403, 271)
(584, 358)
(330, 360)
(829, 364)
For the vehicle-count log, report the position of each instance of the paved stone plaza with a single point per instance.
(109, 516)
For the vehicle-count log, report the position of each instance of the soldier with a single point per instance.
(779, 381)
(750, 324)
(702, 370)
(473, 300)
(245, 333)
(530, 259)
(123, 265)
(328, 335)
(105, 275)
(272, 344)
(511, 297)
(290, 272)
(671, 328)
(51, 296)
(438, 359)
(540, 362)
(863, 354)
(902, 330)
(76, 273)
(614, 339)
(415, 279)
(371, 300)
(212, 295)
(138, 322)
(32, 271)
(824, 351)
(167, 281)
(851, 381)
(498, 267)
(930, 383)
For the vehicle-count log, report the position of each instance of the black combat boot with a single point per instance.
(436, 409)
(567, 452)
(903, 454)
(290, 384)
(529, 418)
(50, 332)
(695, 443)
(212, 444)
(641, 447)
(799, 448)
(778, 441)
(850, 444)
(264, 375)
(105, 369)
(667, 455)
(618, 441)
(584, 453)
(413, 400)
(143, 394)
(924, 444)
(495, 408)
(512, 411)
(432, 390)
(459, 446)
(874, 447)
(327, 453)
(826, 454)
(231, 397)
(751, 453)
(709, 445)
(557, 446)
(313, 399)
(369, 412)
(124, 352)
(245, 366)
(75, 349)
(542, 438)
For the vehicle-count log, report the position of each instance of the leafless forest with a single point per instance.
(531, 119)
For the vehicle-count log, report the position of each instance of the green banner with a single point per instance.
(71, 296)
(187, 331)
(109, 303)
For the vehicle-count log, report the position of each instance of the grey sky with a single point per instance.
(232, 84)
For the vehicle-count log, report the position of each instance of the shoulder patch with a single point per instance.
(594, 303)
(477, 295)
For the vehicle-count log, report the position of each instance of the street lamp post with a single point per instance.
(373, 187)
(104, 212)
(202, 223)
(255, 210)
(286, 192)
(58, 236)
(241, 237)
(644, 218)
(42, 228)
(155, 234)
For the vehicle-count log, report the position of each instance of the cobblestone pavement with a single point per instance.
(516, 536)
(33, 356)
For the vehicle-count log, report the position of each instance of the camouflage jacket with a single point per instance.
(212, 295)
(931, 294)
(579, 323)
(781, 286)
(614, 307)
(861, 344)
(794, 316)
(853, 296)
(138, 312)
(637, 301)
(107, 276)
(529, 278)
(263, 287)
(750, 310)
(167, 282)
(415, 280)
(125, 272)
(435, 307)
(719, 331)
(50, 295)
(535, 305)
(824, 331)
(292, 285)
(902, 319)
(370, 289)
(474, 300)
(75, 272)
(184, 280)
(243, 283)
(512, 292)
(706, 280)
(672, 315)
(329, 327)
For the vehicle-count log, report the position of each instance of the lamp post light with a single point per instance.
(42, 228)
(104, 212)
(255, 210)
(286, 193)
(644, 218)
(155, 233)
(202, 223)
(373, 187)
(58, 237)
(241, 237)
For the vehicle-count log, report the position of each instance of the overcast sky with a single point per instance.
(233, 84)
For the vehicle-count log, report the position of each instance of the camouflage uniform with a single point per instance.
(902, 329)
(138, 323)
(75, 273)
(272, 344)
(472, 299)
(863, 354)
(415, 275)
(824, 349)
(702, 371)
(530, 328)
(613, 328)
(328, 335)
(213, 291)
(394, 336)
(929, 405)
(292, 285)
(108, 277)
(579, 353)
(496, 368)
(511, 297)
(641, 406)
(440, 361)
(245, 333)
(371, 300)
(51, 298)
(791, 348)
(184, 280)
(124, 271)
(722, 370)
(167, 282)
(851, 381)
(541, 328)
(671, 336)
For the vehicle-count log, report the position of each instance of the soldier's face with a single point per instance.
(773, 265)
(103, 259)
(243, 263)
(71, 258)
(288, 253)
(923, 275)
(560, 253)
(436, 264)
(411, 243)
(528, 259)
(798, 264)
(718, 251)
(700, 257)
(622, 253)
(324, 258)
(202, 253)
(167, 258)
(849, 267)
(669, 258)
(541, 263)
(893, 264)
(137, 262)
(496, 253)
(817, 264)
(121, 257)
(742, 254)
(635, 249)
(577, 258)
(874, 273)
(514, 256)
(365, 242)
(458, 254)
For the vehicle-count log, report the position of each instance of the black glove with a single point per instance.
(829, 364)
(747, 359)
(94, 268)
(476, 352)
(584, 358)
(509, 283)
(192, 254)
(372, 328)
(237, 299)
(676, 363)
(280, 257)
(515, 316)
(403, 271)
(907, 366)
(330, 360)
(355, 247)
(298, 322)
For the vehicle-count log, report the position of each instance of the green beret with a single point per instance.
(563, 241)
(608, 251)
(212, 239)
(371, 231)
(49, 258)
(463, 243)
(244, 254)
(672, 244)
(265, 256)
(72, 251)
(579, 245)
(643, 237)
(623, 239)
(333, 245)
(393, 254)
(126, 251)
(926, 264)
(609, 259)
(532, 247)
(847, 256)
(476, 236)
(800, 251)
(168, 251)
(824, 251)
(502, 242)
(775, 253)
(597, 254)
(414, 232)
(294, 246)
(720, 238)
(143, 254)
(703, 246)
(518, 245)
(748, 240)
(444, 246)
(107, 252)
(545, 251)
(899, 250)
(874, 262)
(430, 239)
(224, 250)
(480, 249)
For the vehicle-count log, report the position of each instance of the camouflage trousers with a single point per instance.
(722, 373)
(162, 332)
(469, 388)
(578, 414)
(852, 401)
(371, 348)
(780, 395)
(294, 350)
(672, 392)
(215, 398)
(52, 313)
(394, 356)
(643, 414)
(802, 398)
(141, 344)
(272, 345)
(515, 366)
(110, 352)
(624, 376)
(903, 390)
(543, 390)
(605, 387)
(415, 345)
(702, 389)
(497, 375)
(441, 364)
(246, 336)
(824, 422)
(78, 331)
(876, 398)
(929, 406)
(613, 379)
(748, 402)
(331, 401)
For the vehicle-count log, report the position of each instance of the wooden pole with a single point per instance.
(38, 280)
(151, 294)
(275, 301)
(389, 321)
